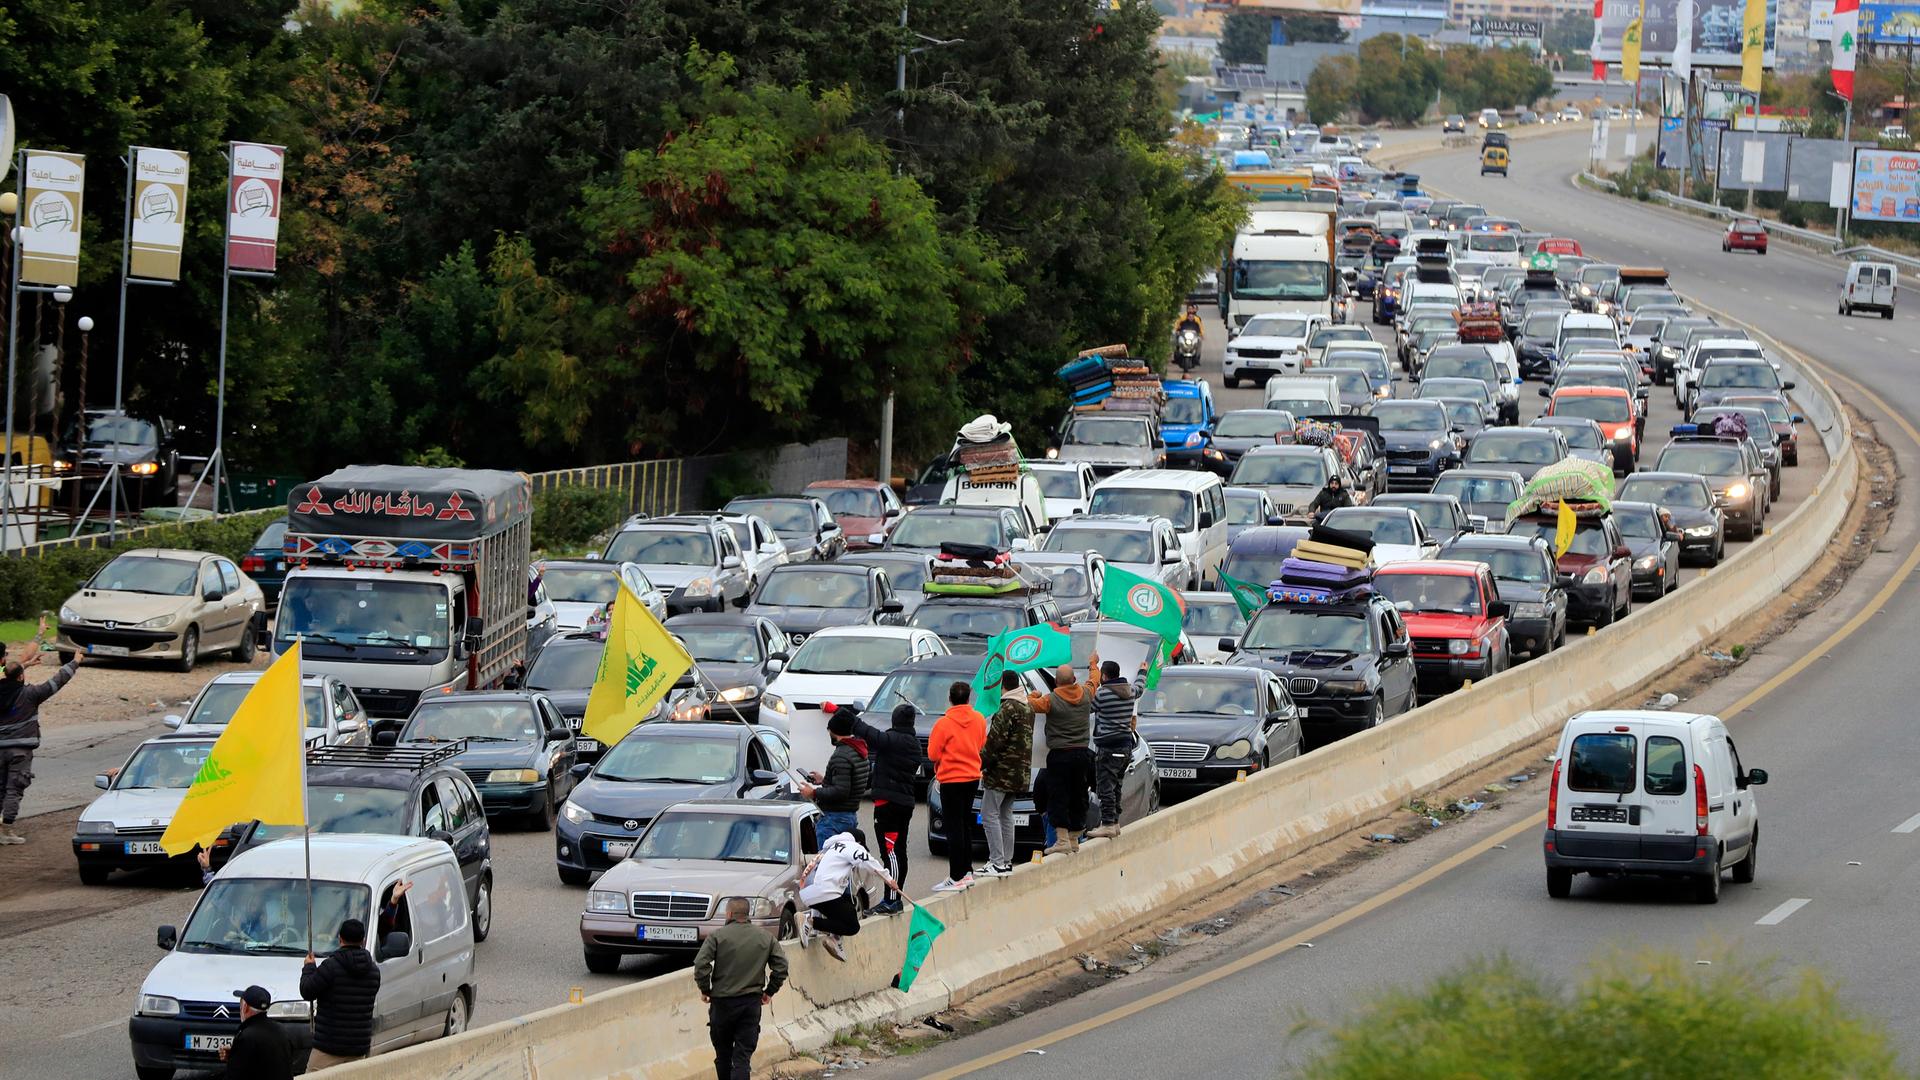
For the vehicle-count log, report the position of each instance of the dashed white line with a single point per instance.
(1879, 339)
(1779, 915)
(1912, 824)
(1744, 289)
(116, 1021)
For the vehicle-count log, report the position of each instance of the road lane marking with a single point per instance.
(1779, 915)
(102, 1026)
(1912, 824)
(1879, 339)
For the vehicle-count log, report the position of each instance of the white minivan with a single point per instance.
(1651, 793)
(1195, 502)
(250, 928)
(1870, 286)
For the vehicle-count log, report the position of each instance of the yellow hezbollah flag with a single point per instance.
(1630, 47)
(639, 664)
(1753, 44)
(256, 769)
(1563, 530)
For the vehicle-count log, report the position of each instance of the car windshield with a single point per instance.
(851, 502)
(357, 611)
(788, 517)
(921, 529)
(121, 431)
(795, 587)
(148, 574)
(1637, 522)
(1175, 506)
(720, 644)
(1253, 425)
(1580, 436)
(582, 586)
(1201, 694)
(1464, 414)
(836, 655)
(1589, 540)
(217, 703)
(1291, 470)
(1493, 242)
(1264, 280)
(1183, 410)
(1451, 594)
(573, 665)
(1105, 431)
(1385, 527)
(1701, 460)
(957, 622)
(661, 547)
(925, 690)
(1294, 629)
(1460, 365)
(1130, 545)
(269, 916)
(273, 536)
(1775, 409)
(1522, 447)
(723, 837)
(1351, 383)
(1476, 489)
(165, 765)
(1719, 376)
(1531, 566)
(1370, 361)
(1069, 579)
(1542, 325)
(1299, 406)
(481, 721)
(905, 575)
(1274, 326)
(1606, 410)
(1206, 621)
(1243, 508)
(1327, 335)
(332, 809)
(1408, 416)
(1670, 493)
(1062, 483)
(646, 756)
(1648, 326)
(1434, 514)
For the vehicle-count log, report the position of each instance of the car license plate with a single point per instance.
(1401, 468)
(209, 1042)
(107, 650)
(144, 847)
(586, 744)
(1018, 819)
(618, 849)
(667, 933)
(1179, 774)
(279, 564)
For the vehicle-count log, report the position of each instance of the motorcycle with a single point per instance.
(1186, 349)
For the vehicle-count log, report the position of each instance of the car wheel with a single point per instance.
(1887, 314)
(243, 652)
(189, 649)
(1745, 869)
(1560, 639)
(1706, 887)
(483, 910)
(540, 819)
(1605, 619)
(1719, 550)
(789, 925)
(456, 1016)
(1559, 882)
(1626, 606)
(570, 876)
(94, 875)
(1843, 308)
(603, 962)
(1377, 714)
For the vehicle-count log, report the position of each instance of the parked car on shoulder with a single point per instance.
(163, 604)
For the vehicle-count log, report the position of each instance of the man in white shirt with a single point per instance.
(828, 879)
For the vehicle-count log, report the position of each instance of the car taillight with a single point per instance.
(1699, 801)
(1553, 798)
(252, 564)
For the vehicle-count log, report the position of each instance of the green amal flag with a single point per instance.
(1142, 602)
(1248, 596)
(921, 933)
(1037, 646)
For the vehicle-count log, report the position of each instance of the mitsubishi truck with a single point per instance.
(405, 581)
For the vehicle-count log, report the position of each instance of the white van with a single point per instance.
(1304, 395)
(250, 928)
(1870, 287)
(1024, 495)
(1195, 502)
(1651, 793)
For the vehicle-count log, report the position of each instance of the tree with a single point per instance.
(1396, 78)
(1244, 37)
(1569, 33)
(1330, 89)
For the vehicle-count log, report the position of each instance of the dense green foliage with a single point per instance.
(566, 518)
(1569, 33)
(1330, 89)
(1501, 78)
(1396, 79)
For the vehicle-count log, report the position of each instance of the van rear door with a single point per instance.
(1605, 813)
(1669, 821)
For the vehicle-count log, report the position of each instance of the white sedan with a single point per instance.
(844, 665)
(1397, 533)
(334, 715)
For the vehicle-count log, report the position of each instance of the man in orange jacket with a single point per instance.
(954, 749)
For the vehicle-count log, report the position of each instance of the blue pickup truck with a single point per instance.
(1186, 426)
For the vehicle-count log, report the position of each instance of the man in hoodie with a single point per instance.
(1006, 768)
(828, 883)
(1069, 770)
(342, 988)
(955, 751)
(20, 733)
(896, 766)
(1115, 727)
(848, 779)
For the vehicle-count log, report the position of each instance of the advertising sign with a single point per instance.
(1820, 21)
(1488, 26)
(1889, 24)
(254, 184)
(1717, 37)
(1886, 185)
(158, 213)
(1317, 7)
(50, 217)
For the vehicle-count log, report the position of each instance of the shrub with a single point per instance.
(566, 518)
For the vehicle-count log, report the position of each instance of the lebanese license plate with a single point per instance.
(1018, 819)
(618, 849)
(667, 933)
(108, 650)
(1401, 469)
(144, 847)
(209, 1042)
(279, 564)
(1179, 774)
(586, 744)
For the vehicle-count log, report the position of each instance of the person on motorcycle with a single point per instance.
(1186, 349)
(1330, 497)
(1191, 321)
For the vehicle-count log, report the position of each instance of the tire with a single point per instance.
(1377, 715)
(1706, 887)
(541, 818)
(1600, 624)
(1719, 550)
(1626, 609)
(1559, 882)
(483, 910)
(1726, 248)
(153, 1072)
(189, 649)
(789, 927)
(94, 875)
(457, 1016)
(1745, 869)
(570, 876)
(1887, 314)
(243, 652)
(1843, 308)
(602, 962)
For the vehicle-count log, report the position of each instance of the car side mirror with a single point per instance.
(763, 777)
(1020, 543)
(1796, 418)
(1564, 581)
(1786, 386)
(1756, 777)
(350, 725)
(168, 937)
(102, 781)
(1498, 610)
(892, 512)
(460, 650)
(214, 594)
(395, 945)
(389, 737)
(730, 562)
(1170, 558)
(892, 606)
(1228, 644)
(579, 772)
(825, 530)
(1397, 650)
(1544, 392)
(1276, 519)
(1206, 519)
(441, 835)
(173, 721)
(771, 547)
(876, 539)
(1622, 552)
(1674, 534)
(775, 665)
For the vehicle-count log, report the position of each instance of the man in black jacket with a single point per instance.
(896, 757)
(261, 1049)
(848, 779)
(342, 989)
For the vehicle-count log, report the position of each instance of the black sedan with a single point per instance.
(1524, 573)
(1655, 542)
(1688, 501)
(142, 447)
(1206, 724)
(519, 749)
(740, 653)
(813, 596)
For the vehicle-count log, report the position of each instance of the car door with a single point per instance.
(561, 753)
(444, 944)
(1744, 815)
(211, 616)
(769, 752)
(353, 716)
(1396, 672)
(403, 978)
(1283, 729)
(731, 575)
(462, 834)
(238, 605)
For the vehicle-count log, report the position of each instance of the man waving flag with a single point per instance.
(1042, 645)
(1143, 602)
(255, 770)
(640, 663)
(1846, 41)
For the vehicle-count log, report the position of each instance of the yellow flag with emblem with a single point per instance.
(1753, 45)
(255, 770)
(1630, 47)
(1563, 530)
(639, 665)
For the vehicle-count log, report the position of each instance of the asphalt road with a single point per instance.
(1838, 818)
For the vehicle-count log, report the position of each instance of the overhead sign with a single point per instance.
(1317, 7)
(255, 181)
(1507, 28)
(1717, 32)
(1891, 24)
(49, 217)
(158, 214)
(1886, 185)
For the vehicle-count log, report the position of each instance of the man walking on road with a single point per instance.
(1006, 768)
(848, 778)
(1114, 732)
(261, 1049)
(20, 733)
(738, 969)
(1069, 770)
(342, 988)
(896, 764)
(954, 748)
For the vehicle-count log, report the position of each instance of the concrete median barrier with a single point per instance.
(1006, 928)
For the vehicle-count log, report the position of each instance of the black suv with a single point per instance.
(1348, 667)
(398, 791)
(142, 447)
(1524, 572)
(804, 598)
(966, 623)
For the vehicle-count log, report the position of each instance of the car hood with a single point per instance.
(1414, 440)
(797, 545)
(489, 755)
(136, 808)
(1287, 496)
(728, 676)
(1197, 727)
(1689, 516)
(1264, 341)
(1384, 554)
(806, 620)
(1323, 664)
(95, 605)
(213, 977)
(627, 799)
(1102, 455)
(571, 703)
(1522, 592)
(710, 876)
(1597, 456)
(814, 689)
(1442, 624)
(1645, 546)
(670, 576)
(1176, 434)
(123, 453)
(854, 525)
(1239, 444)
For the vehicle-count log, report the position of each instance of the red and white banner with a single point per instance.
(1599, 65)
(1846, 42)
(255, 181)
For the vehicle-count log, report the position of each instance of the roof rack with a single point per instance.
(410, 758)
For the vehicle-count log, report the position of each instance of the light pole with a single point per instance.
(1846, 138)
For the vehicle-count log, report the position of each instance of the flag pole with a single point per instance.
(306, 812)
(701, 674)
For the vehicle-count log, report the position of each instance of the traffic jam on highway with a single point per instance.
(1423, 443)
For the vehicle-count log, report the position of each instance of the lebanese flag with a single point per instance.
(1846, 35)
(1599, 65)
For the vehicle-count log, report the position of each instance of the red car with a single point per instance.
(1455, 617)
(1745, 236)
(861, 508)
(1559, 245)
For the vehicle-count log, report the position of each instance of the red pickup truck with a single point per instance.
(1455, 617)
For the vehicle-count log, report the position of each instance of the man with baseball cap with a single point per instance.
(342, 988)
(848, 779)
(261, 1049)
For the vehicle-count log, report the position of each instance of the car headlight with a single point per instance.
(1647, 563)
(1435, 444)
(1459, 646)
(1699, 530)
(158, 621)
(94, 828)
(67, 614)
(1238, 748)
(572, 812)
(1344, 686)
(608, 903)
(758, 907)
(699, 587)
(774, 702)
(1529, 611)
(62, 465)
(1595, 576)
(739, 693)
(143, 468)
(1737, 490)
(290, 1010)
(1195, 439)
(159, 1005)
(513, 776)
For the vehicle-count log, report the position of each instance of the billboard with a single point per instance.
(1716, 31)
(1316, 7)
(1753, 160)
(1820, 21)
(49, 217)
(1488, 26)
(1889, 24)
(253, 205)
(158, 213)
(1886, 185)
(1810, 165)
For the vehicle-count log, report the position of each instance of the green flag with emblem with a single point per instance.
(1142, 602)
(1037, 646)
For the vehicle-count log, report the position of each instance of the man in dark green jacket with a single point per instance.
(1006, 769)
(738, 969)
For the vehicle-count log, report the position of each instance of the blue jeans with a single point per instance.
(835, 822)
